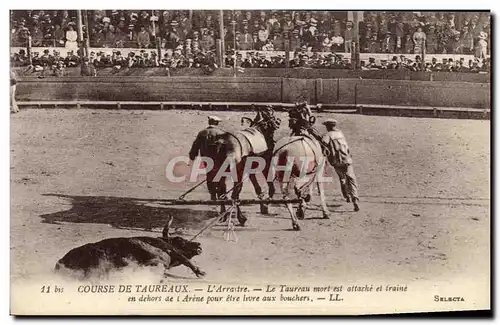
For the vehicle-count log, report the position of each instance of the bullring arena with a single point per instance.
(80, 175)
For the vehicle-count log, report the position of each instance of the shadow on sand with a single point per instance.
(124, 212)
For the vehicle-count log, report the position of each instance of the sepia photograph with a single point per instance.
(250, 162)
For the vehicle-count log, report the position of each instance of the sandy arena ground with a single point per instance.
(424, 188)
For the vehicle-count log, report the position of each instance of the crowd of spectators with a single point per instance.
(56, 62)
(438, 32)
(319, 31)
(446, 65)
(188, 38)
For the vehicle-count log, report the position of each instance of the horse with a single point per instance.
(236, 148)
(298, 156)
(297, 149)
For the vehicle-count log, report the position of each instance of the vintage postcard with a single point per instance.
(249, 162)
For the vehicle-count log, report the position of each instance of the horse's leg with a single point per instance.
(285, 190)
(237, 187)
(272, 189)
(264, 208)
(222, 189)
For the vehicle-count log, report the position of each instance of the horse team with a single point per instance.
(296, 161)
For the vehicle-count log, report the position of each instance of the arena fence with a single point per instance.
(380, 97)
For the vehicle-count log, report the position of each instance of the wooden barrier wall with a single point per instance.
(230, 89)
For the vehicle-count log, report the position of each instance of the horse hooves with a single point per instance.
(301, 213)
(296, 227)
(356, 207)
(264, 210)
(326, 216)
(348, 200)
(242, 221)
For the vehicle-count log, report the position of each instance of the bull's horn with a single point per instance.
(167, 227)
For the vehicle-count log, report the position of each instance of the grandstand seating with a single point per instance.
(315, 38)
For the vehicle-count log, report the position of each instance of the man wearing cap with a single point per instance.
(207, 144)
(87, 68)
(341, 160)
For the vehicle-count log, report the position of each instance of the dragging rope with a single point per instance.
(229, 233)
(191, 189)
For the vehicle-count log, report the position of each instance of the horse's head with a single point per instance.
(265, 121)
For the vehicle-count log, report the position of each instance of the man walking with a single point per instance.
(206, 144)
(13, 82)
(341, 160)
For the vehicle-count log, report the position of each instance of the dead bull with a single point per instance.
(116, 253)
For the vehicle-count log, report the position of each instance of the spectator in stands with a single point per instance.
(475, 66)
(45, 59)
(196, 42)
(481, 46)
(205, 43)
(143, 38)
(348, 36)
(71, 38)
(278, 41)
(467, 41)
(58, 35)
(455, 46)
(374, 45)
(418, 38)
(245, 40)
(399, 31)
(326, 43)
(268, 46)
(72, 60)
(431, 40)
(337, 39)
(263, 34)
(48, 33)
(287, 25)
(110, 37)
(36, 37)
(295, 41)
(19, 59)
(460, 65)
(434, 65)
(255, 27)
(408, 44)
(172, 38)
(211, 39)
(388, 43)
(257, 44)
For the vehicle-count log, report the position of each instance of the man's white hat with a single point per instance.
(214, 118)
(330, 121)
